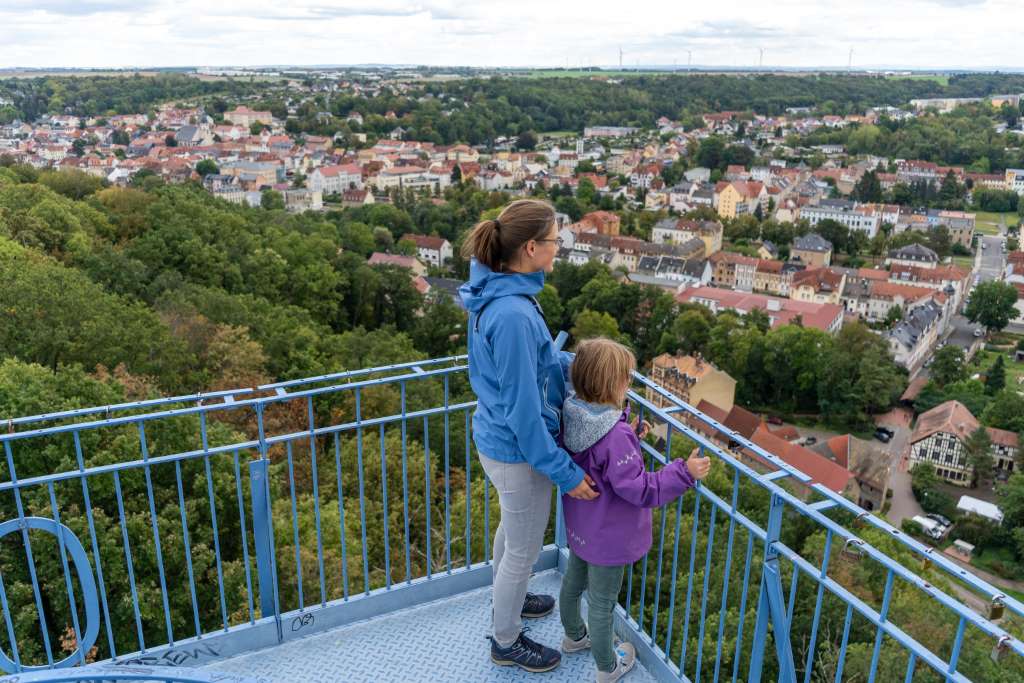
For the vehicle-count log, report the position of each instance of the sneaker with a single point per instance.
(526, 654)
(569, 645)
(626, 655)
(536, 606)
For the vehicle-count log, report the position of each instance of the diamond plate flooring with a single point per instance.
(442, 641)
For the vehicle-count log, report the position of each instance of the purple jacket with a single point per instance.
(615, 528)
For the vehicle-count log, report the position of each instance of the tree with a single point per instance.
(950, 192)
(255, 128)
(992, 304)
(78, 147)
(551, 304)
(207, 167)
(527, 140)
(995, 379)
(868, 188)
(170, 141)
(948, 366)
(979, 457)
(691, 331)
(1005, 411)
(589, 324)
(835, 232)
(271, 200)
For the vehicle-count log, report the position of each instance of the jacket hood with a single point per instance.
(584, 424)
(485, 285)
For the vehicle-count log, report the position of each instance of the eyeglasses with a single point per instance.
(557, 240)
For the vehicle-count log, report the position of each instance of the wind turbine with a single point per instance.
(689, 57)
(620, 57)
(760, 61)
(849, 62)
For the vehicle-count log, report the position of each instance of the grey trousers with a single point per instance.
(525, 498)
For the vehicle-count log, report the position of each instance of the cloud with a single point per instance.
(77, 8)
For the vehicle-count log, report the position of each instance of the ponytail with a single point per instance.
(495, 242)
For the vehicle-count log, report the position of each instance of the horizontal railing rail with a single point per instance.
(245, 519)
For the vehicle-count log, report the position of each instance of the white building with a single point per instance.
(854, 217)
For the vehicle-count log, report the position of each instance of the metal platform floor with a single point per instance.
(435, 642)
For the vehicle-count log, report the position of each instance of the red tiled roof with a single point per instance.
(821, 470)
(426, 241)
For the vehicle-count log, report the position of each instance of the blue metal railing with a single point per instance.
(201, 526)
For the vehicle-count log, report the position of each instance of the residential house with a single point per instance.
(691, 378)
(335, 179)
(913, 337)
(913, 255)
(733, 271)
(677, 231)
(940, 438)
(603, 222)
(303, 199)
(811, 249)
(243, 116)
(818, 285)
(409, 262)
(825, 317)
(356, 198)
(434, 250)
(845, 212)
(740, 197)
(869, 465)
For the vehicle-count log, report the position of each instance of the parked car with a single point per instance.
(888, 431)
(884, 437)
(774, 420)
(810, 441)
(978, 332)
(944, 521)
(930, 527)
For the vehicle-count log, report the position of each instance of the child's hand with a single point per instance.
(698, 466)
(641, 429)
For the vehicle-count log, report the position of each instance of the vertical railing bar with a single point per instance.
(657, 587)
(156, 532)
(426, 488)
(188, 549)
(469, 474)
(341, 516)
(10, 625)
(245, 539)
(213, 520)
(384, 510)
(911, 662)
(675, 567)
(792, 594)
(447, 485)
(845, 641)
(28, 553)
(405, 489)
(362, 493)
(689, 583)
(725, 573)
(128, 560)
(675, 554)
(72, 603)
(269, 511)
(883, 615)
(743, 606)
(80, 458)
(316, 501)
(643, 573)
(809, 666)
(957, 644)
(704, 591)
(295, 525)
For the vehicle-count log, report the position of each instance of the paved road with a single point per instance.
(992, 260)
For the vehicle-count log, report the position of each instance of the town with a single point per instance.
(858, 315)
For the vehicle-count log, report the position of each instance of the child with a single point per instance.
(610, 533)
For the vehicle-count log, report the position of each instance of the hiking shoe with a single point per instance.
(526, 654)
(625, 653)
(569, 645)
(536, 606)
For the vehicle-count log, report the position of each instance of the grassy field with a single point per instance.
(1014, 369)
(988, 222)
(585, 73)
(964, 261)
(941, 80)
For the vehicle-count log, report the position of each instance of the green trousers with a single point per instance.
(602, 585)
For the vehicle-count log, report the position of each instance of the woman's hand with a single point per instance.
(583, 490)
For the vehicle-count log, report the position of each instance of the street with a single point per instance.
(990, 263)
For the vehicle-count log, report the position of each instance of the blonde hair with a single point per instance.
(600, 369)
(494, 243)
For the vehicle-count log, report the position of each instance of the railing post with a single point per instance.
(771, 602)
(262, 528)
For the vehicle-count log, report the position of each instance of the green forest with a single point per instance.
(121, 294)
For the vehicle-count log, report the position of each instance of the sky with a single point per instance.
(918, 34)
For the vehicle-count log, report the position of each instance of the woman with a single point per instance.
(519, 380)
